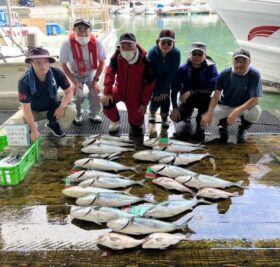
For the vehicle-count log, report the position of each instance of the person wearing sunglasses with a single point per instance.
(237, 95)
(195, 80)
(165, 58)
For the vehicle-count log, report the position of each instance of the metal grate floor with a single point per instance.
(269, 123)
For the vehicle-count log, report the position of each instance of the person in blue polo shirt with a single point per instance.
(237, 94)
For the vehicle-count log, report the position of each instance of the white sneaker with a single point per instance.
(95, 118)
(114, 127)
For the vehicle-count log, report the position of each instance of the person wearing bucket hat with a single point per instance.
(237, 95)
(165, 58)
(195, 80)
(82, 58)
(129, 78)
(37, 90)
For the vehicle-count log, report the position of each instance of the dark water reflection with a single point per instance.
(35, 214)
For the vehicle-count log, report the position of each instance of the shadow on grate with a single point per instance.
(267, 124)
(88, 127)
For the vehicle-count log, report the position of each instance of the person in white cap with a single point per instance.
(165, 58)
(82, 58)
(237, 95)
(195, 80)
(37, 90)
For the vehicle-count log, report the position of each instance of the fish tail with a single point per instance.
(150, 199)
(134, 169)
(141, 182)
(239, 184)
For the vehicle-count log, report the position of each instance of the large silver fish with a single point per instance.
(214, 193)
(142, 226)
(178, 148)
(118, 241)
(162, 240)
(110, 200)
(152, 155)
(101, 149)
(78, 191)
(199, 181)
(110, 182)
(98, 215)
(102, 165)
(156, 141)
(84, 175)
(183, 159)
(171, 184)
(107, 142)
(170, 171)
(110, 137)
(173, 207)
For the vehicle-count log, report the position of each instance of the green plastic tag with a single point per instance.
(135, 210)
(68, 182)
(163, 142)
(150, 174)
(76, 169)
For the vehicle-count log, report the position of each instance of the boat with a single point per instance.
(255, 24)
(173, 9)
(14, 42)
(199, 7)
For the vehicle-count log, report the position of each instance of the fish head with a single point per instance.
(87, 182)
(75, 176)
(80, 212)
(151, 142)
(82, 162)
(139, 154)
(118, 224)
(88, 142)
(158, 167)
(87, 200)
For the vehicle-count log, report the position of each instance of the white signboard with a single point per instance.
(18, 134)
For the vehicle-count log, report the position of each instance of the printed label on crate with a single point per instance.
(18, 134)
(150, 174)
(163, 142)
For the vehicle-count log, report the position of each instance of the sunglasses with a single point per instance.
(200, 54)
(169, 43)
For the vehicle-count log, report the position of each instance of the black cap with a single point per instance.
(199, 46)
(38, 52)
(82, 22)
(127, 38)
(167, 35)
(242, 53)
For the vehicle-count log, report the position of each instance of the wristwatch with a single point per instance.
(96, 79)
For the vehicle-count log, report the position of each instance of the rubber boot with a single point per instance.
(223, 130)
(242, 131)
(199, 132)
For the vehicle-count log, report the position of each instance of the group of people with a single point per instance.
(141, 80)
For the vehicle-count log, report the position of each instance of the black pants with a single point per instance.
(51, 111)
(198, 101)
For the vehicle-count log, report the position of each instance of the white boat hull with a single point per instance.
(255, 26)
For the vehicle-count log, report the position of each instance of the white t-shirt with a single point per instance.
(66, 55)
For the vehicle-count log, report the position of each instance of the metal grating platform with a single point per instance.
(269, 123)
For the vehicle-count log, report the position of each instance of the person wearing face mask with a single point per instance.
(195, 80)
(237, 95)
(165, 58)
(82, 58)
(129, 78)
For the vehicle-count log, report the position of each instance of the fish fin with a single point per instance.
(141, 182)
(134, 170)
(126, 191)
(113, 158)
(149, 198)
(239, 184)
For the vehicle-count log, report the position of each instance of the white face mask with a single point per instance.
(128, 55)
(82, 40)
